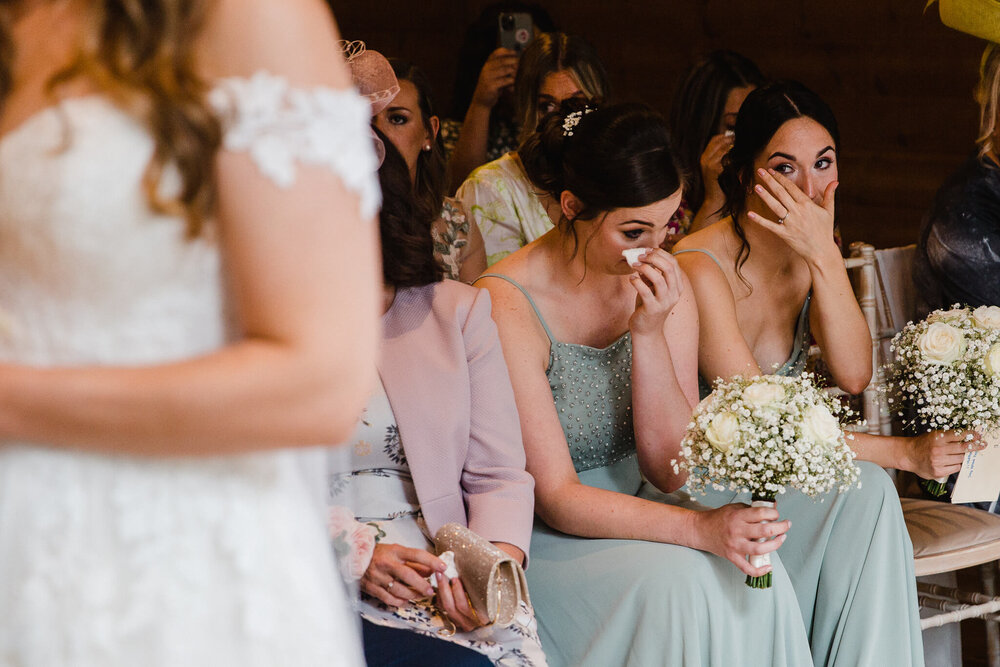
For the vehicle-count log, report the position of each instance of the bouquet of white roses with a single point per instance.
(947, 371)
(766, 434)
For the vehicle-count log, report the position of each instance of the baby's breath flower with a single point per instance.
(766, 434)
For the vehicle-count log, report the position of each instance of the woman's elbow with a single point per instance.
(855, 382)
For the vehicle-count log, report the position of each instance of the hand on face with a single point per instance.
(498, 73)
(806, 226)
(658, 285)
(711, 164)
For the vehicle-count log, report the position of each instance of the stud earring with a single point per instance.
(425, 147)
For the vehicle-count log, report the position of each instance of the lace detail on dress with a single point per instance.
(280, 125)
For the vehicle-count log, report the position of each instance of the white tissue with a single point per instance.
(450, 571)
(632, 255)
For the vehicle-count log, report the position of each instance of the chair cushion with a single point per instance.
(949, 537)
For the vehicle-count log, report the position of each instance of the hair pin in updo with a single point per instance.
(572, 119)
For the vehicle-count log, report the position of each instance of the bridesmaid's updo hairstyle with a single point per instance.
(616, 156)
(407, 247)
(763, 112)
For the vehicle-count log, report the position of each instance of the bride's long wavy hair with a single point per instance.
(140, 52)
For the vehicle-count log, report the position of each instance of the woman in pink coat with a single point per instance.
(439, 442)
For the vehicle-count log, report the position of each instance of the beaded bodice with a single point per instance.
(592, 390)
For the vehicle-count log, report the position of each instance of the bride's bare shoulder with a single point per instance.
(295, 38)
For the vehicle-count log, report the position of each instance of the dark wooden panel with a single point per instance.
(899, 82)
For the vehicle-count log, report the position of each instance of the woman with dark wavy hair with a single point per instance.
(702, 117)
(189, 285)
(603, 359)
(411, 123)
(448, 449)
(764, 277)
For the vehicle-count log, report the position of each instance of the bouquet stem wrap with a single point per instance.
(762, 559)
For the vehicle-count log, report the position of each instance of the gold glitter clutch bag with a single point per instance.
(493, 580)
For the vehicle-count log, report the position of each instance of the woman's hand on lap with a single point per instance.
(940, 453)
(453, 601)
(732, 531)
(398, 574)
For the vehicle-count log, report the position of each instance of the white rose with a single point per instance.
(765, 393)
(818, 425)
(992, 360)
(941, 343)
(987, 317)
(724, 431)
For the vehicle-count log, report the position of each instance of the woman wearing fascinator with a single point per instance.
(764, 277)
(403, 111)
(602, 353)
(439, 442)
(190, 294)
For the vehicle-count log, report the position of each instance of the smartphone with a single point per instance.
(516, 30)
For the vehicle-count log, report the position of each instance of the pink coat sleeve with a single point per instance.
(499, 493)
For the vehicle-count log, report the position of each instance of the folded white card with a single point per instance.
(979, 479)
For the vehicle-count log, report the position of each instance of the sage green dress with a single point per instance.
(608, 603)
(849, 557)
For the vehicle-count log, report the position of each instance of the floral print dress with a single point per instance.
(372, 477)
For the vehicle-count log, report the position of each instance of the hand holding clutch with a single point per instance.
(494, 581)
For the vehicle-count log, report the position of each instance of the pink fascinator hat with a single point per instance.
(374, 79)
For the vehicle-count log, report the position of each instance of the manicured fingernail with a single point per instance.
(761, 171)
(758, 188)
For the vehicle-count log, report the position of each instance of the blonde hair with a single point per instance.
(988, 97)
(140, 53)
(549, 53)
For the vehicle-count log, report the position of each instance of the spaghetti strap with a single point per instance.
(513, 282)
(704, 252)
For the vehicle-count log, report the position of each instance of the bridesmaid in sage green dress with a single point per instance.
(764, 277)
(616, 578)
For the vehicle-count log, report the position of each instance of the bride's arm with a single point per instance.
(302, 269)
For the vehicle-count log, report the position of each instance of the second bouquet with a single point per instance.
(764, 435)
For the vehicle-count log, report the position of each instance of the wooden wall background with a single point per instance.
(899, 81)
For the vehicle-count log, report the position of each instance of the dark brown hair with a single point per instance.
(429, 185)
(697, 110)
(762, 114)
(407, 247)
(618, 156)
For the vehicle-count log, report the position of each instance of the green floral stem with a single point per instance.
(935, 487)
(763, 581)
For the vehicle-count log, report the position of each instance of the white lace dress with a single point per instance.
(105, 560)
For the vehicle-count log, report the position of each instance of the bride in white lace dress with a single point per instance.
(188, 296)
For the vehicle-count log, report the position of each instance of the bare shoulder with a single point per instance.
(512, 311)
(702, 257)
(295, 38)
